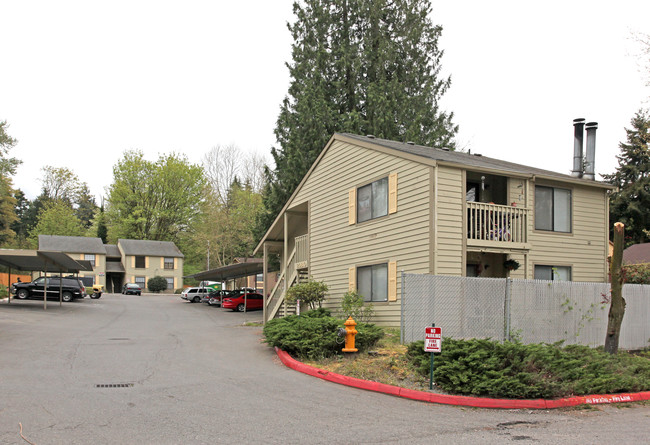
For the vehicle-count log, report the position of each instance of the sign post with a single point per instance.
(432, 343)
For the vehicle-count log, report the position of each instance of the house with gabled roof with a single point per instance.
(369, 208)
(128, 261)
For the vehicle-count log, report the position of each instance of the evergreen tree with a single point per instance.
(631, 203)
(358, 66)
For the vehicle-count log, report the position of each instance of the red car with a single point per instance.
(236, 303)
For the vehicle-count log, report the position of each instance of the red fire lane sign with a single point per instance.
(433, 340)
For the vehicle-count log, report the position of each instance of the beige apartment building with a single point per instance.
(128, 261)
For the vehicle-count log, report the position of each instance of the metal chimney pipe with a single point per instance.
(578, 138)
(590, 162)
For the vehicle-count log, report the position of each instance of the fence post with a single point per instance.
(401, 331)
(506, 310)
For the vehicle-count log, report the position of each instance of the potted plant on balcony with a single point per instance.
(511, 265)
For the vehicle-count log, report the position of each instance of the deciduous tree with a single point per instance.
(56, 218)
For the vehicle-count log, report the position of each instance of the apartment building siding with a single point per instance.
(336, 245)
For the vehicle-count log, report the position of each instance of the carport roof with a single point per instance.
(229, 272)
(41, 260)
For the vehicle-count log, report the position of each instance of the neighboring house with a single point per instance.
(637, 254)
(128, 261)
(370, 208)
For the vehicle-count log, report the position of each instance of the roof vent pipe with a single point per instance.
(590, 161)
(578, 138)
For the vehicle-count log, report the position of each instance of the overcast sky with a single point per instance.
(83, 81)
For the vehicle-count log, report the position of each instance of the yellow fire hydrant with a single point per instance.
(350, 332)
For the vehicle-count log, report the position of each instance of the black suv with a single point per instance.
(72, 288)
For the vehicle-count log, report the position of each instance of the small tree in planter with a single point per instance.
(311, 293)
(157, 284)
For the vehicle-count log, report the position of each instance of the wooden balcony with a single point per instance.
(497, 226)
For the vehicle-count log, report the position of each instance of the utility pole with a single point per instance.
(208, 265)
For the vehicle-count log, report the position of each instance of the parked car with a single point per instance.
(215, 298)
(196, 294)
(70, 288)
(131, 289)
(236, 302)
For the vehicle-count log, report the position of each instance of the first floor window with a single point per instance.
(90, 257)
(169, 263)
(170, 283)
(372, 282)
(553, 273)
(140, 262)
(141, 281)
(552, 209)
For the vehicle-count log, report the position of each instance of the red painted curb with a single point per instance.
(478, 402)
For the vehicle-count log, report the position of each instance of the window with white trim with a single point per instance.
(553, 273)
(372, 282)
(552, 209)
(372, 200)
(169, 263)
(170, 282)
(141, 281)
(90, 257)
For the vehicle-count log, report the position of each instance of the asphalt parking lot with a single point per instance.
(154, 369)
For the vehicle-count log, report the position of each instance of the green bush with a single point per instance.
(354, 306)
(311, 293)
(157, 284)
(515, 370)
(314, 334)
(636, 273)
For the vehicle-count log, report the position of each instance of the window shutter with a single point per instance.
(146, 262)
(392, 193)
(132, 279)
(392, 281)
(133, 261)
(352, 206)
(175, 266)
(162, 262)
(352, 279)
(82, 256)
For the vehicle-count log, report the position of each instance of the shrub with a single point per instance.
(314, 334)
(157, 284)
(311, 293)
(353, 306)
(636, 273)
(515, 370)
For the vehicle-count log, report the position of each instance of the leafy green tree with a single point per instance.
(60, 183)
(359, 66)
(311, 293)
(7, 211)
(85, 207)
(56, 218)
(631, 203)
(153, 200)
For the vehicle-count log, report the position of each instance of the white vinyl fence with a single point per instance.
(532, 311)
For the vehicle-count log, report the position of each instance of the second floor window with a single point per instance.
(552, 209)
(90, 257)
(169, 263)
(140, 262)
(372, 200)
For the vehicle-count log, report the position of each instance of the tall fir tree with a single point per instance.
(631, 202)
(358, 66)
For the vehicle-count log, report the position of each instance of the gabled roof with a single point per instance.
(149, 248)
(468, 160)
(71, 244)
(637, 254)
(112, 251)
(432, 156)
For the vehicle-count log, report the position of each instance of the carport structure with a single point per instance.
(230, 272)
(41, 260)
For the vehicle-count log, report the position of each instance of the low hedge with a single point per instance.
(314, 334)
(514, 370)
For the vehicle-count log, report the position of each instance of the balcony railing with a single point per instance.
(498, 223)
(302, 252)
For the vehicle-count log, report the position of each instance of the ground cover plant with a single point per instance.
(514, 370)
(315, 334)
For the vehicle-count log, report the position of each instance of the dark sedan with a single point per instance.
(131, 289)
